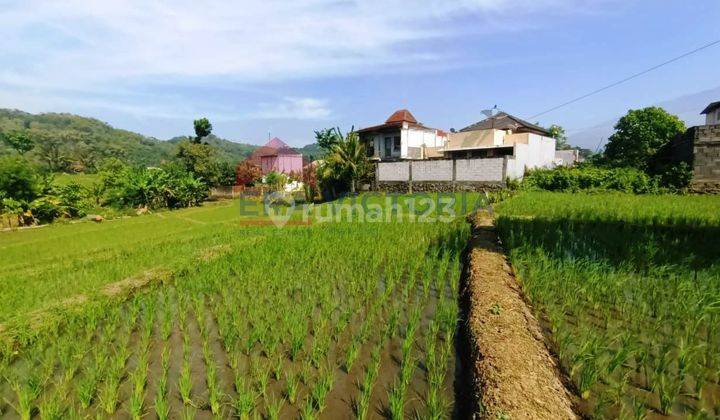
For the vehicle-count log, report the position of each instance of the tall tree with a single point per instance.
(20, 140)
(18, 179)
(52, 152)
(203, 128)
(558, 133)
(639, 135)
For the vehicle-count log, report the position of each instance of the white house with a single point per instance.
(523, 145)
(712, 114)
(526, 145)
(401, 137)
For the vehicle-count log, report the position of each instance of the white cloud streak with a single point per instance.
(293, 108)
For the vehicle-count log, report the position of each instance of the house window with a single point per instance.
(396, 144)
(388, 146)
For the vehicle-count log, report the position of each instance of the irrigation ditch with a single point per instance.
(507, 369)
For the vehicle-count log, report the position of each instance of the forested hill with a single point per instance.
(67, 142)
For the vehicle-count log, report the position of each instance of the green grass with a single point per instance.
(85, 180)
(46, 265)
(629, 288)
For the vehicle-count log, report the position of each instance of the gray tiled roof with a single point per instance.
(505, 121)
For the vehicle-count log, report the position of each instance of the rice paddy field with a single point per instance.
(628, 290)
(205, 313)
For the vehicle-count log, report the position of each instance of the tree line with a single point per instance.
(637, 158)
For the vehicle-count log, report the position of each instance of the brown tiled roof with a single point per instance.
(380, 127)
(401, 115)
(710, 108)
(505, 121)
(396, 120)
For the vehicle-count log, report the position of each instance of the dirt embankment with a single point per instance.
(515, 375)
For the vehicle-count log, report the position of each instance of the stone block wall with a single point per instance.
(393, 171)
(432, 170)
(402, 187)
(445, 175)
(706, 160)
(484, 170)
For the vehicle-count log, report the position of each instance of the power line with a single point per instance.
(612, 85)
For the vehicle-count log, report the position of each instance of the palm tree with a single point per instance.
(348, 157)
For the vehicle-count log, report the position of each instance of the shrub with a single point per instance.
(224, 174)
(46, 209)
(73, 199)
(171, 186)
(246, 173)
(18, 179)
(276, 180)
(591, 178)
(677, 177)
(12, 209)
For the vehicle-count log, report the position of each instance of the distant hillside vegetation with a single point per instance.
(312, 151)
(71, 143)
(227, 150)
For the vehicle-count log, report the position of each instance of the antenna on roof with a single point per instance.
(490, 112)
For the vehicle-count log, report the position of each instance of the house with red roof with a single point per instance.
(402, 137)
(277, 156)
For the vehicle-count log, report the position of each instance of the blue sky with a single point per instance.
(292, 67)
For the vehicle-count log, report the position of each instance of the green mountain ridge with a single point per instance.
(72, 143)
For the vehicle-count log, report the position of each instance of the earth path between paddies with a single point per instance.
(515, 375)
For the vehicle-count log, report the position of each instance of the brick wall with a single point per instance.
(706, 163)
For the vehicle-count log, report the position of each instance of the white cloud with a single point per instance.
(79, 42)
(293, 108)
(72, 50)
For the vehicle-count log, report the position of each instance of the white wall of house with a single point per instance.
(539, 152)
(567, 157)
(712, 118)
(418, 137)
(499, 137)
(404, 138)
